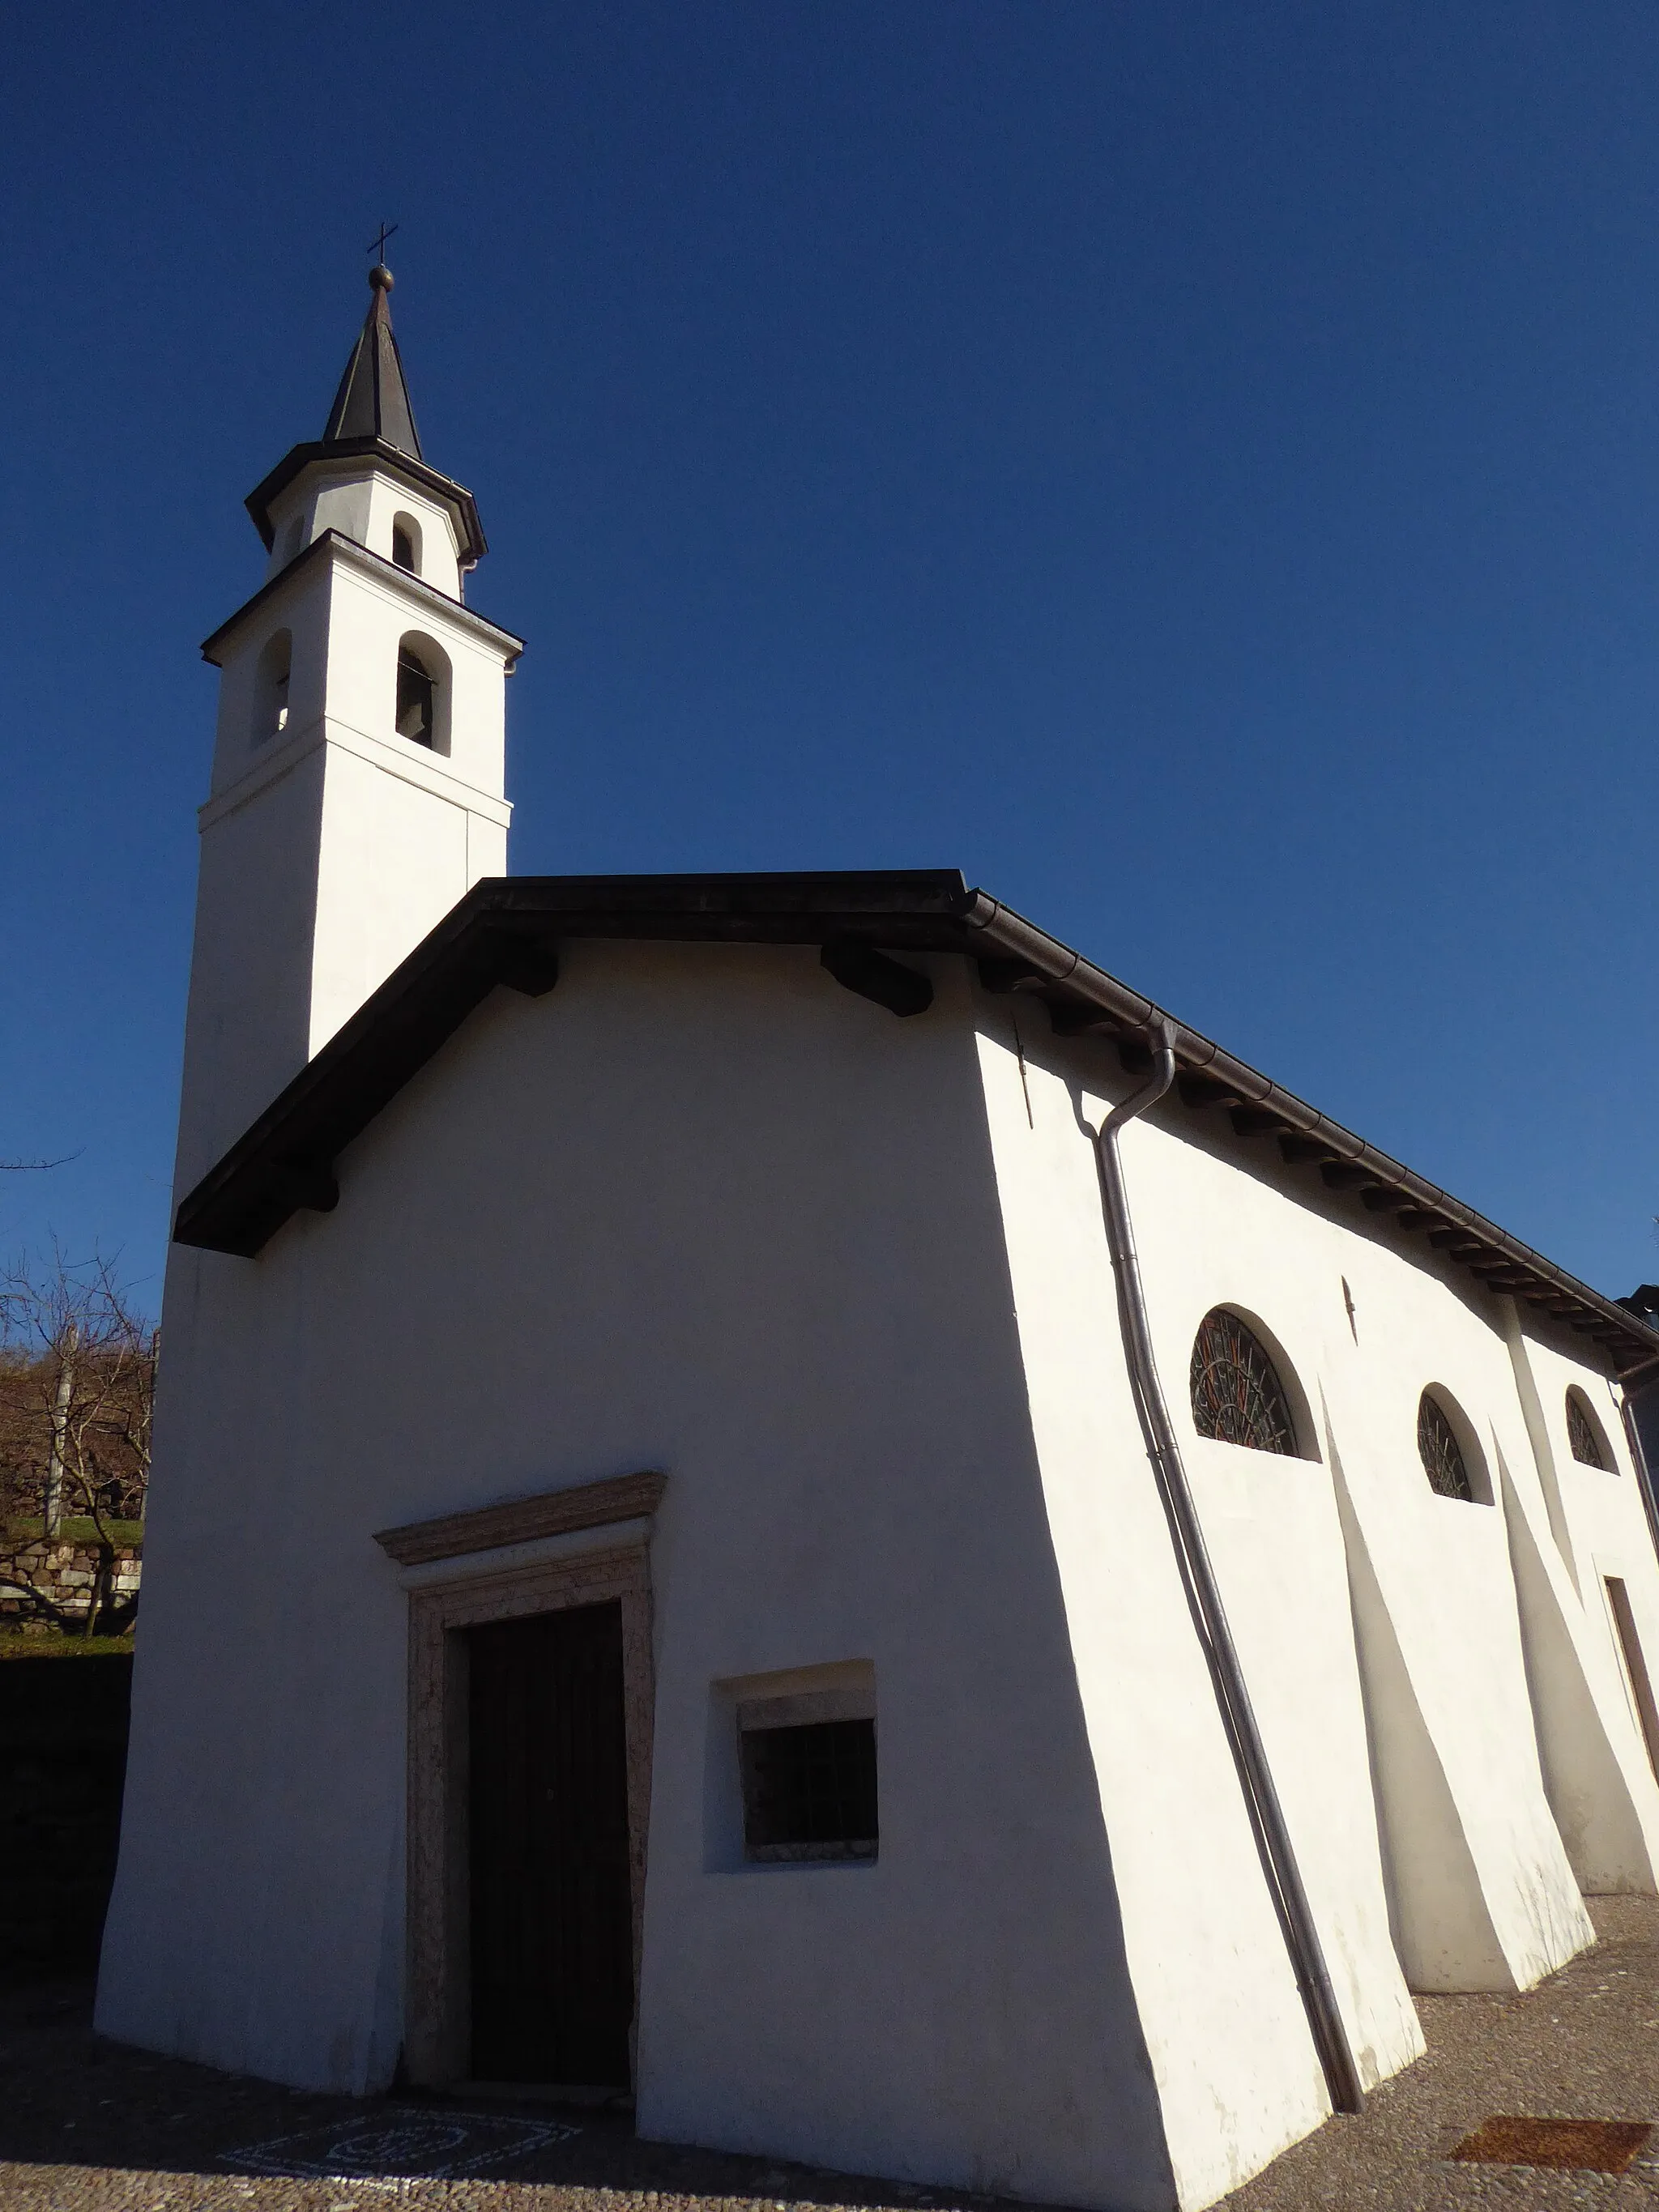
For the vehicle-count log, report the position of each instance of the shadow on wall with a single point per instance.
(1587, 1792)
(1441, 1929)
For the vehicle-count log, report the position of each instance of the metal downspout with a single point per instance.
(1204, 1597)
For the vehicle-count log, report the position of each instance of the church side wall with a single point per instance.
(1597, 1767)
(1237, 2074)
(703, 1210)
(1379, 1625)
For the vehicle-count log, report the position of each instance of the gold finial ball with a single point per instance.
(380, 278)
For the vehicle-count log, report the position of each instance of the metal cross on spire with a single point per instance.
(377, 246)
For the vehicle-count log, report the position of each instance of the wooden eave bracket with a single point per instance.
(526, 964)
(1297, 1150)
(1261, 1121)
(1003, 976)
(310, 1184)
(875, 975)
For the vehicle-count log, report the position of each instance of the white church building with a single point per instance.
(773, 1492)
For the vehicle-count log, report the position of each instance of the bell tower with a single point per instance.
(358, 776)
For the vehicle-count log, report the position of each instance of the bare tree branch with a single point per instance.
(77, 1382)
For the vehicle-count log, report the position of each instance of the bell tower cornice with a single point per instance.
(349, 456)
(333, 545)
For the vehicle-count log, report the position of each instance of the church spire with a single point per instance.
(369, 439)
(373, 400)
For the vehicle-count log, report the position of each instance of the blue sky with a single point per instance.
(1195, 468)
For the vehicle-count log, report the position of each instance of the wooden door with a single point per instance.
(551, 1914)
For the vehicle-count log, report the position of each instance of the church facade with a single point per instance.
(774, 1494)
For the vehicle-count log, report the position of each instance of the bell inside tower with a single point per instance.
(416, 698)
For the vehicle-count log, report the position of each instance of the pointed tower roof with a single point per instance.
(373, 400)
(372, 420)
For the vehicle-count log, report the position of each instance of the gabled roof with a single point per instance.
(508, 931)
(373, 400)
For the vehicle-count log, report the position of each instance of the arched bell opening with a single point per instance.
(271, 683)
(422, 712)
(406, 543)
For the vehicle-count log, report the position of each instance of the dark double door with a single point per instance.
(551, 1911)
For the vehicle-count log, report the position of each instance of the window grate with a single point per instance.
(809, 1792)
(1565, 2146)
(1441, 1453)
(1587, 1448)
(1237, 1393)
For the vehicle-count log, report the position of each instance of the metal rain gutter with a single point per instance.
(1261, 1106)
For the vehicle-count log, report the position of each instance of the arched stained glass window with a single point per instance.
(1237, 1393)
(1589, 1445)
(1442, 1454)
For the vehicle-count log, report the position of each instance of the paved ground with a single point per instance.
(86, 2126)
(1584, 2044)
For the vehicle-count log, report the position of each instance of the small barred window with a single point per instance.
(1237, 1393)
(1589, 1445)
(809, 1792)
(1442, 1453)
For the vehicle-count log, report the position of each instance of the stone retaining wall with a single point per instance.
(61, 1578)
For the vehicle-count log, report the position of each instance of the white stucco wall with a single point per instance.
(371, 610)
(248, 1024)
(329, 849)
(363, 504)
(701, 1210)
(1379, 1625)
(1596, 1768)
(1238, 2072)
(844, 1279)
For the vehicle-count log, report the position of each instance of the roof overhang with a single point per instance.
(351, 453)
(508, 931)
(334, 545)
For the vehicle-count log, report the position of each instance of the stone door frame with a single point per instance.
(437, 2029)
